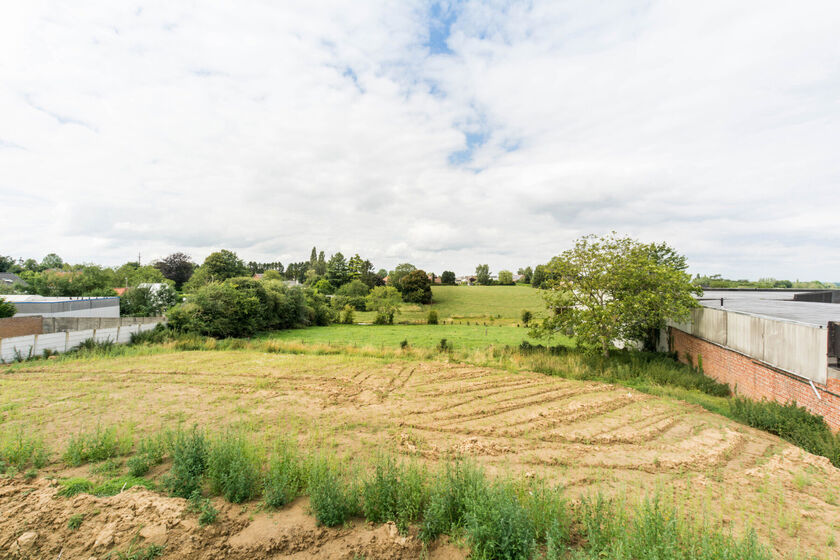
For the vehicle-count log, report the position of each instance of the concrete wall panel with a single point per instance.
(18, 345)
(104, 335)
(77, 337)
(56, 342)
(745, 333)
(709, 324)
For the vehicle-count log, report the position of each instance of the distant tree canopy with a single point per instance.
(526, 273)
(147, 301)
(178, 267)
(615, 288)
(482, 275)
(222, 265)
(395, 276)
(338, 272)
(8, 264)
(505, 277)
(538, 277)
(416, 287)
(447, 277)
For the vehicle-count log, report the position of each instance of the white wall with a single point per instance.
(34, 345)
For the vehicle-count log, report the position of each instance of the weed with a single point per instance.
(189, 463)
(20, 449)
(451, 490)
(150, 451)
(72, 486)
(203, 507)
(332, 499)
(233, 467)
(101, 444)
(30, 474)
(75, 521)
(284, 480)
(497, 526)
(146, 553)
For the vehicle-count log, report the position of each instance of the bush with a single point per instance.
(347, 317)
(444, 346)
(497, 526)
(332, 499)
(203, 507)
(526, 317)
(432, 317)
(233, 467)
(96, 446)
(19, 450)
(450, 493)
(284, 480)
(7, 309)
(189, 463)
(394, 492)
(792, 423)
(150, 451)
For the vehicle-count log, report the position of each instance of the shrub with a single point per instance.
(332, 499)
(791, 422)
(101, 444)
(233, 467)
(347, 316)
(497, 526)
(150, 451)
(526, 317)
(432, 317)
(444, 346)
(207, 514)
(447, 506)
(189, 463)
(404, 344)
(394, 492)
(284, 480)
(7, 308)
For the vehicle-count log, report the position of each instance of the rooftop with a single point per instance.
(775, 304)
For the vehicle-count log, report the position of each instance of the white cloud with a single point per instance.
(270, 128)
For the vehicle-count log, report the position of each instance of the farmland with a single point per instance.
(586, 437)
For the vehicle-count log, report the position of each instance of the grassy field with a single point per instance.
(482, 304)
(423, 336)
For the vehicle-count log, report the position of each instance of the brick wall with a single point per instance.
(20, 326)
(752, 379)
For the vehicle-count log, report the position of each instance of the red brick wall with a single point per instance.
(20, 326)
(754, 380)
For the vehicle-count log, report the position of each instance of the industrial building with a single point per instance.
(30, 305)
(767, 344)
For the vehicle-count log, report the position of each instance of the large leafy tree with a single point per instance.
(615, 288)
(416, 287)
(178, 267)
(385, 300)
(447, 277)
(8, 264)
(51, 261)
(224, 264)
(395, 276)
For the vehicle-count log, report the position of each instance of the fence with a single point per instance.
(12, 349)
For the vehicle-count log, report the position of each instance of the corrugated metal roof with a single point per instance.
(773, 304)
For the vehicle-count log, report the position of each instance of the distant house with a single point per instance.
(10, 279)
(468, 280)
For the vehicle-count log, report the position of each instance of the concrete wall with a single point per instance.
(58, 324)
(794, 347)
(20, 326)
(34, 345)
(88, 307)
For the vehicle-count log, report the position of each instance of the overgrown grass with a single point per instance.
(233, 467)
(285, 479)
(19, 450)
(98, 445)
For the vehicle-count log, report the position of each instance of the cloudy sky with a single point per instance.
(444, 134)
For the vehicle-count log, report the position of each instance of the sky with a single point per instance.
(445, 134)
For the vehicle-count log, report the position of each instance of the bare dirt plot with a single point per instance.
(586, 436)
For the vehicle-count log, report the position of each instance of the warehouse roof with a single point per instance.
(774, 304)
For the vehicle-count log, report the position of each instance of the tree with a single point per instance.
(395, 276)
(224, 264)
(416, 287)
(7, 264)
(51, 261)
(615, 288)
(538, 278)
(506, 277)
(7, 308)
(448, 277)
(526, 317)
(131, 274)
(526, 274)
(337, 271)
(482, 274)
(147, 302)
(178, 267)
(385, 300)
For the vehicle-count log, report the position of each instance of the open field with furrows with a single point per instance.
(586, 437)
